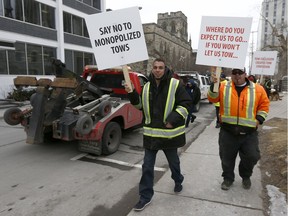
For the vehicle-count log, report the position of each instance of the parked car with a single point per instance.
(203, 82)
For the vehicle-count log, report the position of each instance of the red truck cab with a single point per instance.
(112, 80)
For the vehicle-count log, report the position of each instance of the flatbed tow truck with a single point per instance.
(92, 109)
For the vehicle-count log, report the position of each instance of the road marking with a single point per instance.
(78, 156)
(114, 161)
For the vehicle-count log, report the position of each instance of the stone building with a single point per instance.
(168, 39)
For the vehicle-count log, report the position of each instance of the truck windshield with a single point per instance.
(108, 80)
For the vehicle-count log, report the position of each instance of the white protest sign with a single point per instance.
(223, 41)
(264, 62)
(117, 37)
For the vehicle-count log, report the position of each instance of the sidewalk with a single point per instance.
(202, 195)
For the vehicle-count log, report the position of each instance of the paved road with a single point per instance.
(56, 179)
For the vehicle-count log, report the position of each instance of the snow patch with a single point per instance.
(278, 204)
(268, 127)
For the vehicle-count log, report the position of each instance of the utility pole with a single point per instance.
(252, 51)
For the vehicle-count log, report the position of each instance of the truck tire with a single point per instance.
(12, 117)
(197, 107)
(84, 125)
(104, 108)
(111, 138)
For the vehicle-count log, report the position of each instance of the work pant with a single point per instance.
(189, 116)
(217, 109)
(146, 183)
(247, 147)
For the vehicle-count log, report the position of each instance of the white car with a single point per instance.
(202, 81)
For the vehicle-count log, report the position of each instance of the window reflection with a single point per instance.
(34, 57)
(17, 60)
(48, 16)
(67, 22)
(31, 10)
(13, 9)
(77, 25)
(3, 60)
(78, 62)
(48, 54)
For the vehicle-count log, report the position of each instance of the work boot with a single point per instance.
(193, 117)
(226, 184)
(178, 188)
(246, 183)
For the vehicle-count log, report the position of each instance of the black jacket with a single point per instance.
(158, 96)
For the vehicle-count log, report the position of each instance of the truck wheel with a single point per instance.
(111, 138)
(84, 125)
(104, 108)
(12, 116)
(197, 107)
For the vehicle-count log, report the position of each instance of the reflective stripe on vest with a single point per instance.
(145, 102)
(182, 111)
(170, 98)
(169, 102)
(163, 133)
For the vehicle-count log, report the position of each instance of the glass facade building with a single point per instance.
(45, 29)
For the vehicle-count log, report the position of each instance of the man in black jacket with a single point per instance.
(195, 94)
(165, 104)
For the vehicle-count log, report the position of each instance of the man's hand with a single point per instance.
(214, 77)
(127, 88)
(168, 125)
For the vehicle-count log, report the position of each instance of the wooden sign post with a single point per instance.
(127, 77)
(218, 74)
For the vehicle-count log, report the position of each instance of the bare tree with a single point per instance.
(281, 47)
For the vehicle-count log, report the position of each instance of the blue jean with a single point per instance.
(146, 191)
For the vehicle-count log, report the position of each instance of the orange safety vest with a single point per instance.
(241, 110)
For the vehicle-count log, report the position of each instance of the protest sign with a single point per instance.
(117, 38)
(264, 62)
(223, 41)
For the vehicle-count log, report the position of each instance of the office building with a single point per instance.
(32, 32)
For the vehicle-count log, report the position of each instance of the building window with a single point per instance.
(77, 25)
(266, 14)
(1, 8)
(69, 60)
(75, 60)
(3, 60)
(78, 62)
(13, 9)
(96, 4)
(92, 3)
(48, 54)
(48, 16)
(88, 59)
(32, 12)
(67, 22)
(35, 61)
(267, 7)
(86, 34)
(17, 59)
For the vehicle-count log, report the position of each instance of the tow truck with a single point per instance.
(92, 109)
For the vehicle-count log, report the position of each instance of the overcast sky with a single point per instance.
(193, 10)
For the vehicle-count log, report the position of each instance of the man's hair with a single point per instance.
(159, 60)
